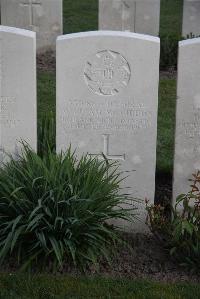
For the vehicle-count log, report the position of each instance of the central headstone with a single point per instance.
(42, 16)
(141, 16)
(107, 92)
(18, 109)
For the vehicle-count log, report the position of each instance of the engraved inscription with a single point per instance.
(107, 73)
(105, 152)
(32, 5)
(9, 121)
(104, 115)
(8, 111)
(8, 104)
(190, 128)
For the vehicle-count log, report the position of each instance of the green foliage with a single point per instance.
(169, 50)
(79, 15)
(46, 135)
(171, 16)
(57, 208)
(180, 233)
(46, 92)
(166, 125)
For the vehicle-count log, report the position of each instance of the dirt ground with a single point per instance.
(143, 258)
(147, 259)
(46, 62)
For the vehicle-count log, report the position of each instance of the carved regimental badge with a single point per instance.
(107, 73)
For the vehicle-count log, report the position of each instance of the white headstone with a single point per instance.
(141, 16)
(18, 111)
(42, 16)
(187, 141)
(107, 93)
(191, 18)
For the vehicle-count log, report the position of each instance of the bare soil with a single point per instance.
(142, 258)
(147, 259)
(46, 62)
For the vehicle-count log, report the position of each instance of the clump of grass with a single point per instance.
(56, 207)
(47, 134)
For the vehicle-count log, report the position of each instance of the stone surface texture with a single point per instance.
(42, 16)
(17, 90)
(187, 141)
(141, 16)
(107, 96)
(191, 18)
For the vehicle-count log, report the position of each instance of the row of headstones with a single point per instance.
(45, 17)
(143, 16)
(107, 98)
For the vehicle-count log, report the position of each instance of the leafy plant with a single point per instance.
(46, 134)
(181, 233)
(57, 208)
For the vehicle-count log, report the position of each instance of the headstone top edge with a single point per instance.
(104, 33)
(188, 42)
(18, 31)
(192, 0)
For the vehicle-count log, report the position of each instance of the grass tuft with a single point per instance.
(54, 207)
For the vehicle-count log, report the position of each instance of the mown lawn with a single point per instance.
(171, 16)
(62, 287)
(166, 125)
(46, 93)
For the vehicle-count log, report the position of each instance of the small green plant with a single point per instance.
(57, 208)
(180, 233)
(46, 134)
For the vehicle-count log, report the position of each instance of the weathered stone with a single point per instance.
(42, 16)
(187, 140)
(191, 18)
(18, 111)
(107, 93)
(141, 16)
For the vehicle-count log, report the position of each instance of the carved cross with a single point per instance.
(31, 5)
(105, 152)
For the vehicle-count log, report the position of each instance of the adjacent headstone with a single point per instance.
(191, 18)
(107, 94)
(141, 16)
(187, 141)
(18, 111)
(42, 16)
